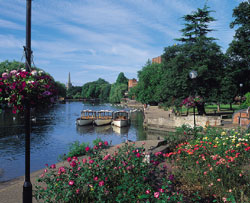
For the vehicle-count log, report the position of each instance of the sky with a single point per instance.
(94, 39)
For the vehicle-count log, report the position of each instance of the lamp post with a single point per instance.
(241, 85)
(27, 186)
(193, 74)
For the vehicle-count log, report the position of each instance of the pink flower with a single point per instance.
(95, 178)
(106, 143)
(91, 161)
(77, 191)
(147, 191)
(106, 157)
(161, 190)
(84, 161)
(205, 173)
(218, 180)
(156, 194)
(69, 159)
(71, 182)
(95, 147)
(101, 183)
(73, 164)
(53, 166)
(138, 155)
(87, 149)
(100, 143)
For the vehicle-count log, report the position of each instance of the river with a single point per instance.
(52, 130)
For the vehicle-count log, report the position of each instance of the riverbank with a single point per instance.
(11, 191)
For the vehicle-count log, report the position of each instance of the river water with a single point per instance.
(52, 130)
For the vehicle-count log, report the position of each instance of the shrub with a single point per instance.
(124, 176)
(216, 164)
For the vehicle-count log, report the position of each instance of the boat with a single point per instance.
(103, 117)
(87, 117)
(121, 118)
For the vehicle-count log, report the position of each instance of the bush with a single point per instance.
(215, 164)
(125, 176)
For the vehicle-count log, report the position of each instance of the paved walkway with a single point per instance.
(11, 191)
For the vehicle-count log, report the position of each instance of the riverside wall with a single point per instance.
(159, 119)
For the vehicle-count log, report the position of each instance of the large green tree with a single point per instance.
(98, 89)
(148, 89)
(118, 89)
(239, 49)
(197, 52)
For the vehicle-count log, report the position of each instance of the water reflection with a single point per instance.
(120, 131)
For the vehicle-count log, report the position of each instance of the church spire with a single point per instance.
(69, 84)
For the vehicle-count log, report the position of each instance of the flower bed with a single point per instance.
(125, 176)
(215, 164)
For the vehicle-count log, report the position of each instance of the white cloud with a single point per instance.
(11, 25)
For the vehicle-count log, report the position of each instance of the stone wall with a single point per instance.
(158, 119)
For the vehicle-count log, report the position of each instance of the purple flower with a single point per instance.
(171, 177)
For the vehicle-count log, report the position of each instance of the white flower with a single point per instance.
(34, 72)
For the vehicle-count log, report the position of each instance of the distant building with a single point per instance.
(132, 83)
(157, 59)
(68, 84)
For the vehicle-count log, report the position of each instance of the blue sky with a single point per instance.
(94, 39)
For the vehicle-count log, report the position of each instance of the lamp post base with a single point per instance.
(27, 192)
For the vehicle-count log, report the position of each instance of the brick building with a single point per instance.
(157, 59)
(242, 117)
(132, 83)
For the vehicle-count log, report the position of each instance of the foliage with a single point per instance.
(7, 66)
(74, 92)
(148, 89)
(215, 164)
(61, 89)
(238, 51)
(121, 79)
(118, 89)
(19, 86)
(99, 89)
(196, 27)
(117, 92)
(77, 149)
(247, 101)
(124, 176)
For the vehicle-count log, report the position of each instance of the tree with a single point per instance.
(121, 79)
(197, 52)
(73, 91)
(61, 89)
(118, 89)
(117, 92)
(239, 49)
(98, 89)
(196, 27)
(148, 89)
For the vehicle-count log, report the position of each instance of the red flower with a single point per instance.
(87, 149)
(101, 183)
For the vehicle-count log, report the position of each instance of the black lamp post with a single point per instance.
(193, 74)
(241, 85)
(27, 186)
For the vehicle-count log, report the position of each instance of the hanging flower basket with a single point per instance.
(17, 86)
(192, 101)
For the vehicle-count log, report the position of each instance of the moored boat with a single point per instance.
(87, 118)
(121, 118)
(103, 117)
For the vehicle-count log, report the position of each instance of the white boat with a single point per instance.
(87, 118)
(103, 117)
(121, 118)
